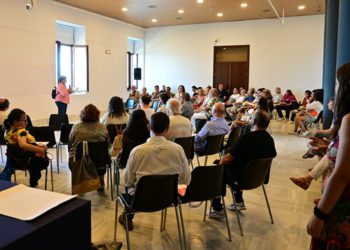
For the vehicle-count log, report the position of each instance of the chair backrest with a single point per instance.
(2, 136)
(29, 123)
(255, 174)
(56, 120)
(155, 192)
(65, 131)
(233, 137)
(44, 133)
(98, 152)
(113, 130)
(200, 124)
(155, 105)
(319, 117)
(213, 144)
(130, 103)
(206, 183)
(187, 143)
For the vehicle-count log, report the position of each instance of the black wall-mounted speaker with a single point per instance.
(137, 74)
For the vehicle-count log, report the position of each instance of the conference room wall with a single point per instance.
(289, 55)
(27, 56)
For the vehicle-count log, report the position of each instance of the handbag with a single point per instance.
(84, 174)
(117, 142)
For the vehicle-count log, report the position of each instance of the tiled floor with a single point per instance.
(291, 208)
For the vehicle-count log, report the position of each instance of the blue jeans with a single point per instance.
(62, 108)
(7, 172)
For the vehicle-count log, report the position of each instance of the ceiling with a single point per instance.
(141, 12)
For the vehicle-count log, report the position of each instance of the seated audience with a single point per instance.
(116, 113)
(233, 98)
(4, 106)
(135, 133)
(223, 94)
(156, 93)
(163, 99)
(254, 145)
(186, 108)
(199, 99)
(204, 112)
(91, 130)
(163, 89)
(232, 111)
(168, 91)
(250, 96)
(146, 159)
(288, 103)
(266, 93)
(179, 126)
(22, 151)
(134, 93)
(277, 97)
(180, 90)
(144, 104)
(217, 126)
(194, 93)
(301, 110)
(144, 91)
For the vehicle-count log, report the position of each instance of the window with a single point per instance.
(72, 56)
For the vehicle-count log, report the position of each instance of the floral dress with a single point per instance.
(336, 233)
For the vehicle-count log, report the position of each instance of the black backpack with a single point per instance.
(53, 93)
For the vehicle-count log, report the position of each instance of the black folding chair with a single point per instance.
(187, 143)
(232, 138)
(114, 129)
(99, 154)
(206, 184)
(57, 120)
(200, 124)
(64, 136)
(2, 142)
(45, 134)
(213, 146)
(153, 193)
(155, 105)
(254, 175)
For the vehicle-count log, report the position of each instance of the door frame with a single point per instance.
(216, 48)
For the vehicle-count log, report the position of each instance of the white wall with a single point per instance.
(289, 55)
(27, 56)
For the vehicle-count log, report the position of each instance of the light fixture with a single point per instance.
(125, 9)
(180, 11)
(200, 1)
(301, 7)
(154, 20)
(244, 5)
(219, 14)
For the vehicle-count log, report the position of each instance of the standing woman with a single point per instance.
(330, 224)
(62, 95)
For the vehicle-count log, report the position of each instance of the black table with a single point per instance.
(67, 226)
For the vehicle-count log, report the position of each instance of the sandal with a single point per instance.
(301, 182)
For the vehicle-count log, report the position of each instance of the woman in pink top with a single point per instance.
(62, 95)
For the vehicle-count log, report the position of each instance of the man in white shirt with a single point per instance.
(157, 156)
(145, 101)
(4, 106)
(179, 126)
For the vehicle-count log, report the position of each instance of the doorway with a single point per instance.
(231, 66)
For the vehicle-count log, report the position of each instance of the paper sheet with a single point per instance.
(25, 203)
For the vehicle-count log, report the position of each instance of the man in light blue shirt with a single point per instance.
(217, 126)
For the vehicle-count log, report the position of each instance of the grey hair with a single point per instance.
(61, 78)
(173, 106)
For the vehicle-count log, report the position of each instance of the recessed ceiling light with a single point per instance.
(244, 5)
(124, 9)
(200, 1)
(180, 11)
(301, 7)
(154, 20)
(152, 6)
(219, 14)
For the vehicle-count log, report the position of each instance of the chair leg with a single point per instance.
(268, 204)
(127, 229)
(115, 221)
(205, 160)
(239, 221)
(107, 178)
(110, 179)
(161, 220)
(46, 179)
(191, 162)
(61, 153)
(198, 160)
(25, 173)
(164, 220)
(182, 226)
(205, 210)
(15, 177)
(226, 218)
(57, 158)
(51, 172)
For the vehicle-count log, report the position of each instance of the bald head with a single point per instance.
(218, 109)
(260, 120)
(173, 106)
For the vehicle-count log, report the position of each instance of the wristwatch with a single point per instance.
(319, 214)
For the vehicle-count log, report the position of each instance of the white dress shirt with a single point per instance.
(149, 112)
(157, 156)
(179, 127)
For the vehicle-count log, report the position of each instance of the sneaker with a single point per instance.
(121, 220)
(240, 206)
(217, 214)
